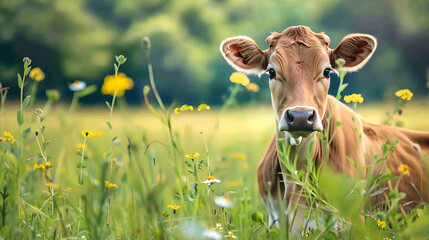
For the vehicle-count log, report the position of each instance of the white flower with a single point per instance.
(223, 202)
(219, 226)
(77, 86)
(211, 234)
(230, 235)
(211, 179)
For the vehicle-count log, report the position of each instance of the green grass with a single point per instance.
(138, 208)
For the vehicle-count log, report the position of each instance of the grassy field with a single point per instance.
(149, 172)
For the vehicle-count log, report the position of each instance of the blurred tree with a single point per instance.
(73, 40)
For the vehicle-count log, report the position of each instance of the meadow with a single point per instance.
(73, 172)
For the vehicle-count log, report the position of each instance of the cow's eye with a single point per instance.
(326, 73)
(272, 73)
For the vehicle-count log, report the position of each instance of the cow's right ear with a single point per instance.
(244, 55)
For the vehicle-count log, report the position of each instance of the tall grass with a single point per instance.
(142, 179)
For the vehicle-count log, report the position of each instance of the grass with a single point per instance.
(139, 180)
(245, 130)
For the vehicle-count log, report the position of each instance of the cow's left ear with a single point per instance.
(356, 49)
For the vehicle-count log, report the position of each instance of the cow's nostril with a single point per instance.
(311, 117)
(289, 117)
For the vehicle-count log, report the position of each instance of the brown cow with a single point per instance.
(299, 63)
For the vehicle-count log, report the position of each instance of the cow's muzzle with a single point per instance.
(300, 121)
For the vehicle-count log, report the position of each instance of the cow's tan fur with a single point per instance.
(299, 57)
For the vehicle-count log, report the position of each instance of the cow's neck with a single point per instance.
(298, 147)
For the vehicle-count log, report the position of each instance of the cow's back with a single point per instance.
(412, 149)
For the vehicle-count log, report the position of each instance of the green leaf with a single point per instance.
(337, 124)
(26, 132)
(20, 117)
(26, 101)
(45, 145)
(378, 192)
(108, 124)
(87, 91)
(108, 105)
(43, 129)
(113, 139)
(20, 85)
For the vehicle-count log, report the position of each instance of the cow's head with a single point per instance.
(299, 63)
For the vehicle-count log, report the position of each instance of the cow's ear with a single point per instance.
(356, 49)
(244, 55)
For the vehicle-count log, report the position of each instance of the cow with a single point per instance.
(299, 63)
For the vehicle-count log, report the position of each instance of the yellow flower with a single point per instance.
(353, 98)
(176, 111)
(253, 87)
(22, 213)
(110, 185)
(404, 169)
(174, 207)
(87, 133)
(238, 156)
(186, 107)
(404, 94)
(40, 166)
(192, 156)
(218, 225)
(8, 137)
(49, 185)
(381, 224)
(234, 183)
(48, 164)
(81, 146)
(37, 74)
(238, 77)
(117, 84)
(203, 107)
(97, 134)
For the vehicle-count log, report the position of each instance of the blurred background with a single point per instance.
(77, 40)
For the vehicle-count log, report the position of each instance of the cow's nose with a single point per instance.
(300, 120)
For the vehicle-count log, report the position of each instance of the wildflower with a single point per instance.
(238, 156)
(234, 183)
(176, 111)
(203, 106)
(48, 164)
(116, 84)
(404, 94)
(353, 98)
(41, 166)
(59, 196)
(22, 213)
(223, 202)
(381, 224)
(87, 133)
(110, 185)
(238, 77)
(114, 160)
(97, 134)
(7, 137)
(192, 156)
(81, 146)
(308, 232)
(186, 107)
(404, 169)
(219, 226)
(37, 74)
(230, 235)
(253, 87)
(77, 86)
(174, 207)
(211, 179)
(211, 234)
